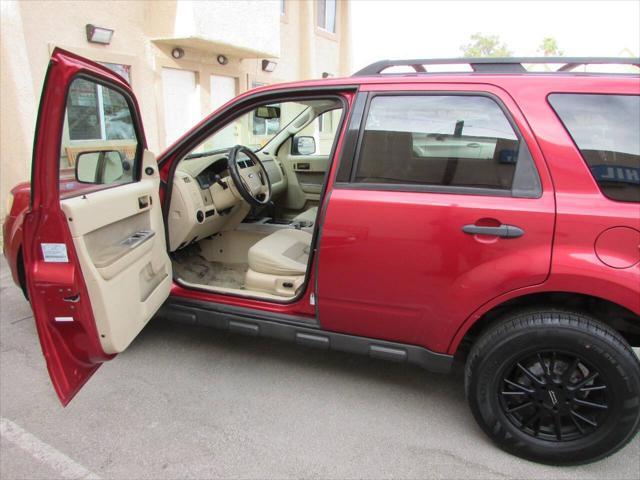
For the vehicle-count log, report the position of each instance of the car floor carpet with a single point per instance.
(192, 267)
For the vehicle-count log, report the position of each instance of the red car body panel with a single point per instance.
(582, 211)
(404, 270)
(392, 265)
(72, 349)
(12, 228)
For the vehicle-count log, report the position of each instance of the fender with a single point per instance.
(617, 292)
(13, 236)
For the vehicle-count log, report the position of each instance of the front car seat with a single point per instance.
(278, 263)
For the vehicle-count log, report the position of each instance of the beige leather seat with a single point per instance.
(278, 263)
(308, 216)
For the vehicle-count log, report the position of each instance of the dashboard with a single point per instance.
(212, 173)
(218, 169)
(204, 200)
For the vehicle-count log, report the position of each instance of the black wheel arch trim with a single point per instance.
(490, 313)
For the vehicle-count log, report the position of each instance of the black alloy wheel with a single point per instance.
(556, 387)
(554, 395)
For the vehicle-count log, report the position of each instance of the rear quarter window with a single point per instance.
(606, 130)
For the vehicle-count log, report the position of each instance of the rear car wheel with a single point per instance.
(554, 387)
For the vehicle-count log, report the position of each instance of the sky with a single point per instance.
(388, 29)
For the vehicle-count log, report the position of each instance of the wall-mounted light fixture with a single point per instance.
(222, 60)
(327, 75)
(177, 53)
(268, 65)
(99, 34)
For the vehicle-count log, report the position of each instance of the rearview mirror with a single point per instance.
(100, 167)
(268, 112)
(303, 146)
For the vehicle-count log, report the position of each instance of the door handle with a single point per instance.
(503, 231)
(144, 201)
(73, 298)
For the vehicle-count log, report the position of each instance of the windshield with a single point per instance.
(255, 128)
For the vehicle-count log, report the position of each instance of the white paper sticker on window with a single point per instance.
(54, 252)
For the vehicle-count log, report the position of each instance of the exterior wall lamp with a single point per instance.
(268, 65)
(99, 35)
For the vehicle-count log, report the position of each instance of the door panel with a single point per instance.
(412, 243)
(310, 182)
(123, 256)
(305, 174)
(91, 190)
(309, 173)
(398, 266)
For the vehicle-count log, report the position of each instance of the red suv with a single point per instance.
(490, 216)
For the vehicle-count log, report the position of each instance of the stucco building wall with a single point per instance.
(145, 32)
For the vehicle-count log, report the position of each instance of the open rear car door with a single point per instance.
(95, 255)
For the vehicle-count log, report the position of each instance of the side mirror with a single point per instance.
(100, 167)
(303, 146)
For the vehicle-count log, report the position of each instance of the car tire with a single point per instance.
(556, 387)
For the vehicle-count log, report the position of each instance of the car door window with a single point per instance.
(445, 141)
(99, 143)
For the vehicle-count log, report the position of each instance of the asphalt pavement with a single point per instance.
(191, 402)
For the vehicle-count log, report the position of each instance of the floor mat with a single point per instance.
(190, 266)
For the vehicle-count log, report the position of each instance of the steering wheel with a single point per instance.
(249, 176)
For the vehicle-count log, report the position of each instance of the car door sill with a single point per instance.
(300, 330)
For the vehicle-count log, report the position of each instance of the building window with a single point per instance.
(98, 113)
(101, 115)
(283, 8)
(326, 15)
(123, 70)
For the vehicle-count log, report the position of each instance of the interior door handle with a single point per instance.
(503, 231)
(144, 201)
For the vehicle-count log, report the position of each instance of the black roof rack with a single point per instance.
(495, 65)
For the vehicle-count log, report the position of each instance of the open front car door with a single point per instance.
(95, 255)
